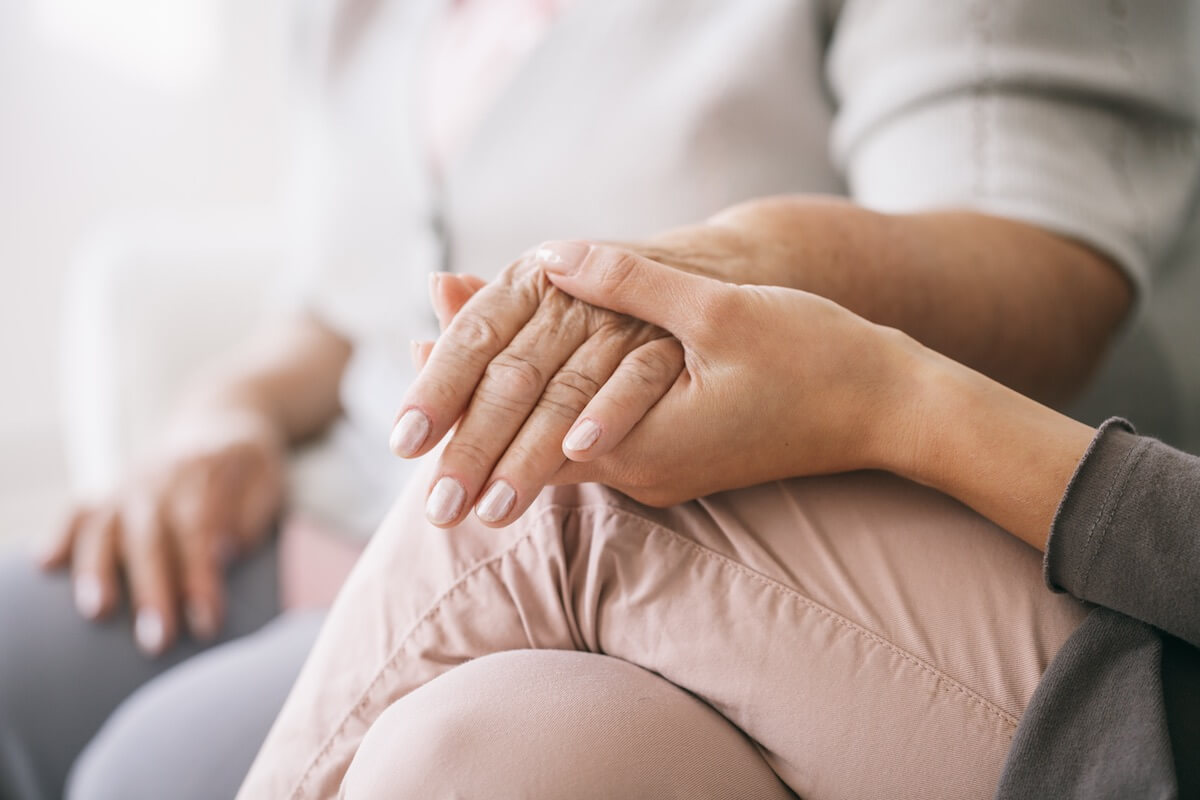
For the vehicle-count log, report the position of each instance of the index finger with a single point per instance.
(488, 322)
(680, 302)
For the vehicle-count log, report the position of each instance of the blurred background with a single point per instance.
(185, 107)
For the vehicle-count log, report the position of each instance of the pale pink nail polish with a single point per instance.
(445, 501)
(561, 257)
(497, 502)
(582, 436)
(410, 433)
(88, 596)
(149, 631)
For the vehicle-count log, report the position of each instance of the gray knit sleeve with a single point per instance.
(1127, 532)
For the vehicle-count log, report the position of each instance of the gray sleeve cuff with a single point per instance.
(1127, 532)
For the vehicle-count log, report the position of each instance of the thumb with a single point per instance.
(622, 281)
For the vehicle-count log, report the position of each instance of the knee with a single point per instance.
(554, 724)
(481, 729)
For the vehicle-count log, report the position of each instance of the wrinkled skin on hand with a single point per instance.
(512, 371)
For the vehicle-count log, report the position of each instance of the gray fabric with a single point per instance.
(61, 677)
(192, 732)
(1118, 712)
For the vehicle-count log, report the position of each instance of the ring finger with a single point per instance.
(511, 387)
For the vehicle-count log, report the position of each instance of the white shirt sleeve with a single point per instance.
(1079, 116)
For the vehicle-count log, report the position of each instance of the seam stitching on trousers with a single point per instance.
(389, 662)
(535, 524)
(942, 678)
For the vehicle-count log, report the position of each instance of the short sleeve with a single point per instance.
(1079, 116)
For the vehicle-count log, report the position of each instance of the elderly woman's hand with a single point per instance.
(513, 369)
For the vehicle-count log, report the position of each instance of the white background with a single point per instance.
(110, 109)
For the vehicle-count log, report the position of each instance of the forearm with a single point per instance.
(1033, 310)
(1003, 454)
(288, 375)
(1116, 513)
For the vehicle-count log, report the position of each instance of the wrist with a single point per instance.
(1001, 453)
(905, 383)
(236, 408)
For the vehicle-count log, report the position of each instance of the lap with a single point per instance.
(62, 676)
(192, 731)
(873, 637)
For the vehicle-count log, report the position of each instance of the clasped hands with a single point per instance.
(589, 362)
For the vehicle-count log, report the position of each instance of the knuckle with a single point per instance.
(652, 366)
(473, 457)
(515, 377)
(440, 392)
(571, 388)
(523, 460)
(617, 268)
(475, 332)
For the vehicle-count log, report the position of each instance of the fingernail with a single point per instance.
(410, 433)
(497, 502)
(445, 501)
(582, 436)
(148, 630)
(561, 257)
(88, 596)
(201, 621)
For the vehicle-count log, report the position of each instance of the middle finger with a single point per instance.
(511, 387)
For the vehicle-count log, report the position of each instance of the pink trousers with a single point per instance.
(853, 636)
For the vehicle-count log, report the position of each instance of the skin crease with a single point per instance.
(904, 272)
(209, 492)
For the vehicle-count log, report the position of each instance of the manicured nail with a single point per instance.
(148, 630)
(561, 257)
(497, 502)
(582, 436)
(445, 501)
(88, 596)
(201, 621)
(410, 433)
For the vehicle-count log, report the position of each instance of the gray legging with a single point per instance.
(85, 715)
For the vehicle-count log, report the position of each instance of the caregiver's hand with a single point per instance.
(778, 382)
(512, 371)
(171, 528)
